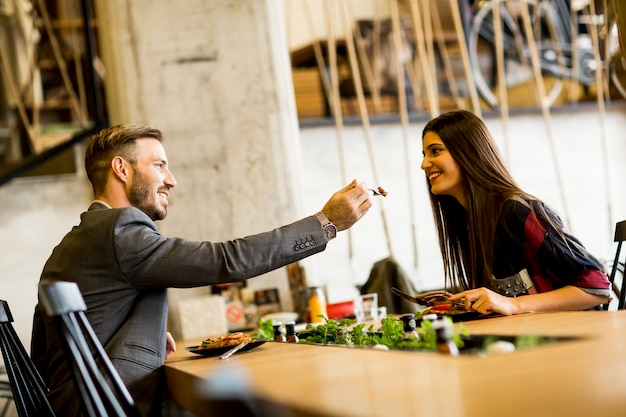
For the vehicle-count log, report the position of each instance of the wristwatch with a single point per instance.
(329, 228)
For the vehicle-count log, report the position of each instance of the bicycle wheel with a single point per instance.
(548, 33)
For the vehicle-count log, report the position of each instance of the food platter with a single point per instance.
(223, 349)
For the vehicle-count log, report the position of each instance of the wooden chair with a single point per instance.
(100, 386)
(28, 389)
(620, 237)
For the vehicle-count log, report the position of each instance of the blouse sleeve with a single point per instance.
(554, 261)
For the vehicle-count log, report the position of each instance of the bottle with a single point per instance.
(279, 336)
(443, 331)
(292, 337)
(317, 305)
(410, 332)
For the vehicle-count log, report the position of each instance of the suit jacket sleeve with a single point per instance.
(148, 259)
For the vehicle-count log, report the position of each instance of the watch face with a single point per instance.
(331, 231)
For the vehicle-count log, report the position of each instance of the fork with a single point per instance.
(234, 350)
(378, 192)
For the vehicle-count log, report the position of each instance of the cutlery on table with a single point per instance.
(234, 350)
(426, 299)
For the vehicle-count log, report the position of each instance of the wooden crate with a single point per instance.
(310, 100)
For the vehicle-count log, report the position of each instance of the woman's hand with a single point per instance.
(170, 344)
(568, 298)
(485, 301)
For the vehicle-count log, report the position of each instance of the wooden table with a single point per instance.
(584, 377)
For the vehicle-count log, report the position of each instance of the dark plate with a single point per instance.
(462, 316)
(221, 350)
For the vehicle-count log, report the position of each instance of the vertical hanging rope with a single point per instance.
(34, 140)
(335, 104)
(319, 57)
(425, 59)
(460, 34)
(56, 49)
(368, 69)
(445, 55)
(572, 90)
(363, 109)
(404, 118)
(502, 93)
(592, 28)
(543, 99)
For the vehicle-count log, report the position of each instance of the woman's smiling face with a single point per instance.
(442, 171)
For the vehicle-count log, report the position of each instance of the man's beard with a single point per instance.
(143, 197)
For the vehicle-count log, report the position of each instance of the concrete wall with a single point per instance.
(212, 76)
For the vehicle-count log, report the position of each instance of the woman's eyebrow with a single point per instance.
(434, 144)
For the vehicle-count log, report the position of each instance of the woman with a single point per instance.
(496, 240)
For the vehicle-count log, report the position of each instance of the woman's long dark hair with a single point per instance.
(466, 237)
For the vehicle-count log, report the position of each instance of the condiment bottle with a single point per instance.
(279, 336)
(408, 321)
(317, 305)
(443, 331)
(292, 337)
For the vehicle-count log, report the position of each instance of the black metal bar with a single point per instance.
(92, 76)
(9, 172)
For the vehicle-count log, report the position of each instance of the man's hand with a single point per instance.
(348, 205)
(170, 344)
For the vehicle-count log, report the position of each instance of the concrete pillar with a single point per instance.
(215, 77)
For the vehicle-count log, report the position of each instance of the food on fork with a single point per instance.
(232, 339)
(379, 191)
(382, 191)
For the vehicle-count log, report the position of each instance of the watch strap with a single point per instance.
(329, 228)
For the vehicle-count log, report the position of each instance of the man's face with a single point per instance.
(151, 180)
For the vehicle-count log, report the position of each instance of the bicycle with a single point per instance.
(551, 24)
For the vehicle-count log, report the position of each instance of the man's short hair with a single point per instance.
(108, 143)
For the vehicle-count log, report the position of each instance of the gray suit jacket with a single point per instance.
(123, 267)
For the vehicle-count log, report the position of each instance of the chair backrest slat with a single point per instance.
(102, 390)
(620, 237)
(27, 386)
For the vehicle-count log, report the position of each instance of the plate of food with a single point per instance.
(216, 346)
(436, 302)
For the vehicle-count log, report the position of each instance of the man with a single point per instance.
(123, 265)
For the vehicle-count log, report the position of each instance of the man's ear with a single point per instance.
(120, 168)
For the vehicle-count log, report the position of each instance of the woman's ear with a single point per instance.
(120, 168)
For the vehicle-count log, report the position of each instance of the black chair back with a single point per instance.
(102, 390)
(620, 237)
(28, 389)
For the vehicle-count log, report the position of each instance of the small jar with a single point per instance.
(410, 332)
(445, 344)
(279, 336)
(292, 337)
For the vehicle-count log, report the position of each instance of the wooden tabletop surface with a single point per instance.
(583, 377)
